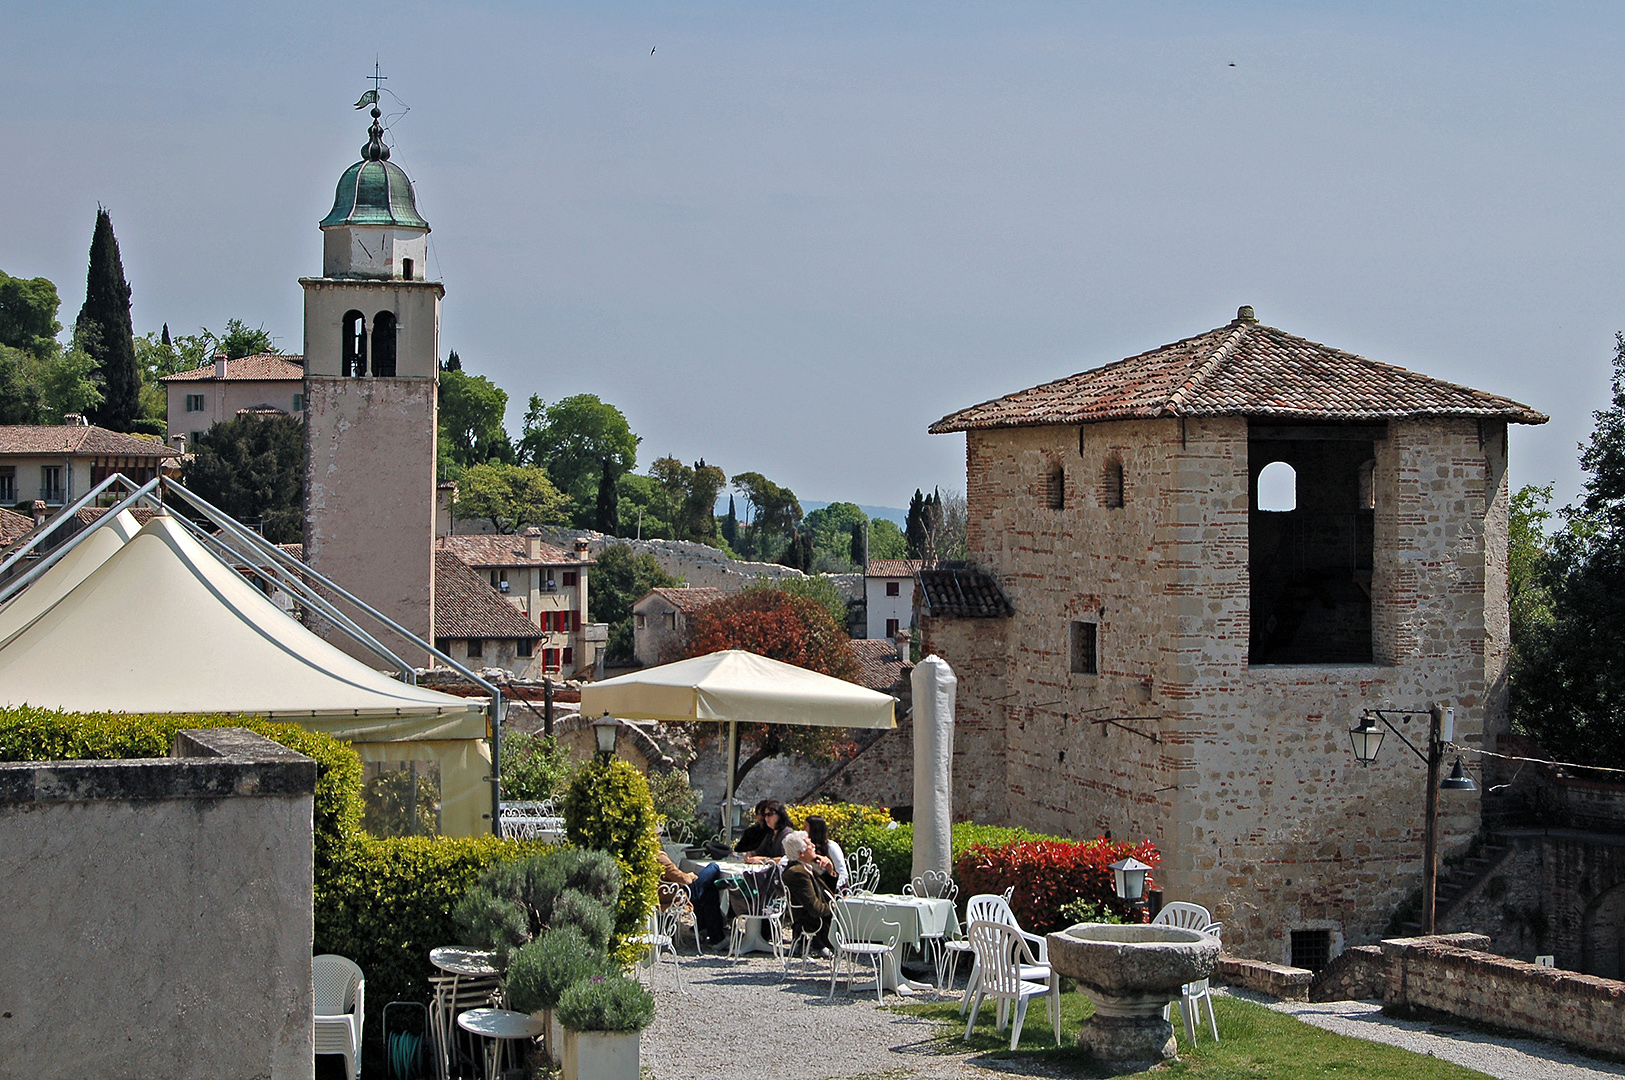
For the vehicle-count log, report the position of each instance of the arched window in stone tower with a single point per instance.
(1111, 483)
(383, 345)
(1277, 488)
(1055, 487)
(354, 351)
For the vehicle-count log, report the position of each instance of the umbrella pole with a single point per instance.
(733, 763)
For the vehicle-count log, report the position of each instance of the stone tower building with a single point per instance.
(372, 343)
(1145, 649)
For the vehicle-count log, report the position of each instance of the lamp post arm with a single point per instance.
(1378, 714)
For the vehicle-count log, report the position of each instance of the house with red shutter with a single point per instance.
(546, 584)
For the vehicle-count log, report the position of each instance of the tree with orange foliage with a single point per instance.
(767, 620)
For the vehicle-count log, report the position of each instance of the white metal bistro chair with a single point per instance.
(761, 895)
(853, 936)
(665, 922)
(341, 993)
(529, 819)
(990, 908)
(934, 885)
(862, 873)
(1191, 995)
(1002, 955)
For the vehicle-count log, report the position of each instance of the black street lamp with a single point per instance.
(607, 730)
(1367, 740)
(1128, 876)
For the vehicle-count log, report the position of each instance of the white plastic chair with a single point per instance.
(340, 1004)
(762, 897)
(990, 908)
(854, 936)
(1191, 995)
(1002, 955)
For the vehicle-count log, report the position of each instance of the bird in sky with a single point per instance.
(652, 52)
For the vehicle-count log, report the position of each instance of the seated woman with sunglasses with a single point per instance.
(777, 826)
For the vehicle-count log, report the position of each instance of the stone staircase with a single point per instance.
(1458, 880)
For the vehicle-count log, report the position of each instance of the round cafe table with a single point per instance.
(459, 961)
(498, 1027)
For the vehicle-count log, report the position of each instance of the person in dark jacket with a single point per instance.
(810, 883)
(777, 825)
(751, 838)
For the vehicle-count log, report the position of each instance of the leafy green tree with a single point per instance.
(533, 766)
(886, 540)
(834, 527)
(239, 340)
(640, 503)
(510, 497)
(774, 513)
(1567, 675)
(621, 579)
(577, 440)
(103, 329)
(252, 467)
(471, 411)
(28, 308)
(688, 497)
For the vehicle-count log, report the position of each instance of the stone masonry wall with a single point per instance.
(1432, 973)
(1243, 776)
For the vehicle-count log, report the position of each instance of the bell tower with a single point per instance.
(372, 343)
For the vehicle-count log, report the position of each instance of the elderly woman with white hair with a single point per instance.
(810, 883)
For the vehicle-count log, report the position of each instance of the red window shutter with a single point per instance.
(569, 656)
(575, 621)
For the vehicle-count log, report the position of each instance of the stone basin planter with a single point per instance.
(1131, 973)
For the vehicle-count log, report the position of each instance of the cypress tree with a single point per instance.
(730, 524)
(104, 329)
(165, 339)
(608, 517)
(917, 525)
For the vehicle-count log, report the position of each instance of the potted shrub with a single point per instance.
(543, 970)
(603, 1018)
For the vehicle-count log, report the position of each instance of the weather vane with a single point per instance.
(371, 96)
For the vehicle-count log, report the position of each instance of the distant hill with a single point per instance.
(900, 516)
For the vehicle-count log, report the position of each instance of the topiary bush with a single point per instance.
(609, 809)
(514, 902)
(606, 1003)
(591, 919)
(543, 970)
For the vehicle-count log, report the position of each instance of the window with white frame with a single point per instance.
(50, 483)
(8, 484)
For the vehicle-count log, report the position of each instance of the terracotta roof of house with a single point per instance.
(296, 550)
(963, 591)
(260, 366)
(13, 526)
(89, 514)
(686, 598)
(1241, 369)
(465, 605)
(893, 567)
(505, 549)
(878, 665)
(78, 439)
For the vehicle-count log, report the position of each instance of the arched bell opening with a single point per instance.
(354, 345)
(383, 345)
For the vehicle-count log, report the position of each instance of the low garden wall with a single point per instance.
(1447, 975)
(158, 913)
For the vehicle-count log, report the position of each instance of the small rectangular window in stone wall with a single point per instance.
(1082, 648)
(1311, 949)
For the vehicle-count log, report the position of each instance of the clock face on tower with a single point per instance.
(361, 250)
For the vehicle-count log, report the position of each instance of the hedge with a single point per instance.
(893, 848)
(384, 903)
(842, 818)
(1050, 874)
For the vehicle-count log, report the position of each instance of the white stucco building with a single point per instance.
(888, 589)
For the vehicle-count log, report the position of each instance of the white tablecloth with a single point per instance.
(916, 917)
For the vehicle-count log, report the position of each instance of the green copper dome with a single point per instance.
(375, 191)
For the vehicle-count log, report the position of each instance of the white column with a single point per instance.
(935, 687)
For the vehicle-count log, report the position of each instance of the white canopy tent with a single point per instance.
(163, 626)
(738, 687)
(68, 571)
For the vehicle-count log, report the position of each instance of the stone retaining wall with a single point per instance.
(1442, 975)
(1276, 980)
(1357, 975)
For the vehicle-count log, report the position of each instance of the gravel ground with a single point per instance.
(743, 1020)
(1495, 1055)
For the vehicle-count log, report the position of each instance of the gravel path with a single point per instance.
(743, 1020)
(1498, 1056)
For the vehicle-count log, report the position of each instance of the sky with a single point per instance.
(788, 237)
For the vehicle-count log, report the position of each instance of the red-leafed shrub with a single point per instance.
(1048, 874)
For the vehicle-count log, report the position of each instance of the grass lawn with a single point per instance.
(1256, 1043)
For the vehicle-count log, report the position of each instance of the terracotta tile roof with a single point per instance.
(878, 665)
(13, 526)
(89, 514)
(1242, 369)
(688, 598)
(261, 366)
(893, 567)
(78, 439)
(507, 549)
(296, 550)
(963, 591)
(465, 605)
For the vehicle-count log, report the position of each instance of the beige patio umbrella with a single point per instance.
(738, 687)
